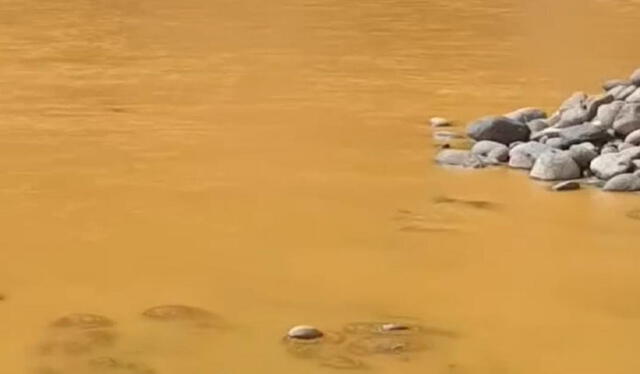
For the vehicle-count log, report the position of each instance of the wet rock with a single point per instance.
(555, 165)
(525, 115)
(457, 157)
(607, 113)
(634, 97)
(491, 151)
(623, 183)
(607, 166)
(628, 119)
(439, 122)
(583, 133)
(499, 129)
(83, 321)
(611, 83)
(583, 154)
(566, 186)
(635, 77)
(304, 332)
(537, 125)
(524, 156)
(385, 345)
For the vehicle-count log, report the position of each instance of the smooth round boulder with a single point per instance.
(628, 119)
(607, 114)
(633, 138)
(555, 165)
(304, 332)
(499, 129)
(627, 182)
(608, 165)
(524, 155)
(583, 154)
(491, 151)
(583, 133)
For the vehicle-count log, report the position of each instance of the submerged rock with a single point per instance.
(623, 183)
(83, 321)
(304, 332)
(499, 129)
(566, 186)
(456, 157)
(555, 165)
(178, 313)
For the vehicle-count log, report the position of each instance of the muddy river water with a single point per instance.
(270, 161)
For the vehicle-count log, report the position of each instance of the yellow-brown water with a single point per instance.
(269, 161)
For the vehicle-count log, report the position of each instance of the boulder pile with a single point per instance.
(592, 139)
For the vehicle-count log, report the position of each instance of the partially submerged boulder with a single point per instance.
(555, 165)
(498, 129)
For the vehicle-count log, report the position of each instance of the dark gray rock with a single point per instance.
(583, 154)
(499, 129)
(524, 155)
(607, 113)
(634, 97)
(628, 119)
(457, 157)
(583, 133)
(623, 183)
(607, 166)
(537, 125)
(635, 77)
(525, 115)
(611, 83)
(566, 186)
(555, 165)
(440, 122)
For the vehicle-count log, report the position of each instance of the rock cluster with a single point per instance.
(589, 136)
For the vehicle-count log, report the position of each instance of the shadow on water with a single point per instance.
(477, 204)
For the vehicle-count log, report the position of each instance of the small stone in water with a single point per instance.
(439, 122)
(566, 186)
(393, 327)
(304, 332)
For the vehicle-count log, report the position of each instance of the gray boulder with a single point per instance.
(607, 113)
(583, 154)
(524, 155)
(623, 183)
(628, 119)
(633, 138)
(556, 143)
(622, 92)
(537, 125)
(577, 99)
(608, 165)
(491, 151)
(635, 77)
(583, 133)
(566, 186)
(499, 129)
(457, 157)
(525, 115)
(634, 97)
(555, 165)
(625, 146)
(611, 83)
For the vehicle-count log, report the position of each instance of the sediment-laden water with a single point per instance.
(236, 168)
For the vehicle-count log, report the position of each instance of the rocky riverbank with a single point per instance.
(590, 139)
